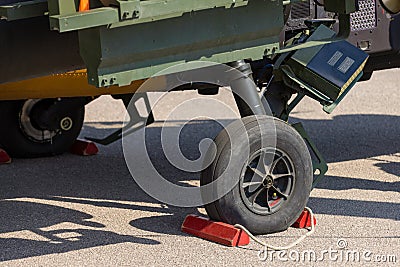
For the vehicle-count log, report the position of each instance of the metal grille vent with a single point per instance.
(300, 10)
(365, 18)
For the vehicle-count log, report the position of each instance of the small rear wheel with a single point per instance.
(40, 127)
(274, 183)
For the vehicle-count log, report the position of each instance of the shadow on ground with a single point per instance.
(33, 217)
(350, 137)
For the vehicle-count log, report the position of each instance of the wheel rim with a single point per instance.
(267, 181)
(28, 128)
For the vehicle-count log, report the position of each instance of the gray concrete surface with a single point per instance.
(73, 211)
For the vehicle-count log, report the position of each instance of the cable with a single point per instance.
(310, 232)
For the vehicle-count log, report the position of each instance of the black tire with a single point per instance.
(19, 144)
(233, 208)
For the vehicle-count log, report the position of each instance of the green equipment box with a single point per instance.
(331, 68)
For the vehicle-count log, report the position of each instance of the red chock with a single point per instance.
(84, 148)
(218, 232)
(304, 221)
(4, 157)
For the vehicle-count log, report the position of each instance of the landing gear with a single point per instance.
(40, 127)
(267, 158)
(274, 182)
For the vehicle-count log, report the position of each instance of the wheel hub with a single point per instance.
(267, 181)
(66, 124)
(29, 127)
(43, 119)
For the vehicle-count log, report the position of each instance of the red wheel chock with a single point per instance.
(304, 221)
(84, 148)
(218, 232)
(4, 157)
(227, 234)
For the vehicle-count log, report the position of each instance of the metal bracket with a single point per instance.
(136, 122)
(128, 9)
(23, 10)
(285, 115)
(127, 12)
(79, 20)
(314, 92)
(320, 166)
(344, 32)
